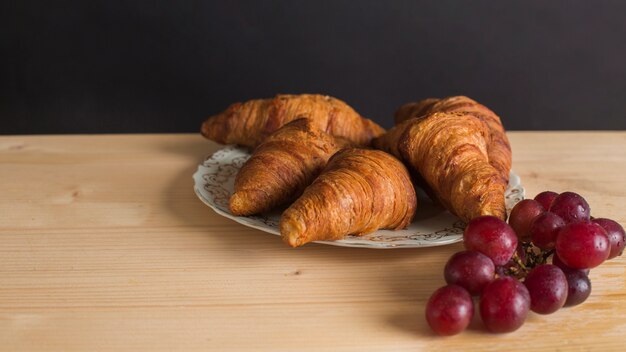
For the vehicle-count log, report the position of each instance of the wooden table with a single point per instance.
(104, 246)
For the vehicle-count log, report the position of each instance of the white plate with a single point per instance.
(432, 226)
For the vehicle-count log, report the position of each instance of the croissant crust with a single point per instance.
(281, 167)
(450, 152)
(249, 123)
(498, 146)
(358, 192)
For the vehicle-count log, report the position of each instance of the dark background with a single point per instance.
(163, 66)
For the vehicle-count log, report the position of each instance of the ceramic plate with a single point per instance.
(432, 226)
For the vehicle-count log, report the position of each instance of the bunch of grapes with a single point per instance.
(507, 265)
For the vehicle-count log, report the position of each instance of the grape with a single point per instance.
(579, 287)
(449, 310)
(492, 237)
(546, 198)
(558, 262)
(504, 305)
(544, 230)
(571, 207)
(582, 245)
(547, 286)
(471, 270)
(615, 233)
(522, 216)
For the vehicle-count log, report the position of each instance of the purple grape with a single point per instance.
(571, 207)
(504, 305)
(558, 262)
(544, 230)
(449, 310)
(546, 198)
(471, 270)
(615, 233)
(492, 237)
(582, 245)
(547, 286)
(522, 217)
(579, 287)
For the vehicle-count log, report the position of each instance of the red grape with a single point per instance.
(579, 287)
(558, 262)
(449, 310)
(546, 198)
(582, 245)
(504, 305)
(544, 230)
(522, 216)
(492, 237)
(471, 270)
(571, 207)
(547, 286)
(615, 233)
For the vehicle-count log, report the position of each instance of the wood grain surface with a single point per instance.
(104, 246)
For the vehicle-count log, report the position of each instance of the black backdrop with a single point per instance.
(162, 66)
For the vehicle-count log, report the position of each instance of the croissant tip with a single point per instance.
(290, 232)
(215, 128)
(204, 127)
(293, 242)
(240, 204)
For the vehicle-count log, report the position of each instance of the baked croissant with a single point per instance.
(498, 147)
(249, 123)
(358, 192)
(450, 152)
(282, 167)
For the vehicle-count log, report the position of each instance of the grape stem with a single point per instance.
(534, 256)
(520, 263)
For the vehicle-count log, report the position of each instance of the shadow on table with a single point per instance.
(403, 275)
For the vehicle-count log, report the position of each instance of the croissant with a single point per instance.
(249, 123)
(449, 150)
(281, 167)
(498, 147)
(359, 191)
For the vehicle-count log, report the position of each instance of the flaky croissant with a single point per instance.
(249, 123)
(358, 192)
(450, 152)
(282, 167)
(498, 147)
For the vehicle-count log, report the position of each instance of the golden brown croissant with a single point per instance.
(358, 192)
(251, 122)
(449, 150)
(282, 167)
(498, 147)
